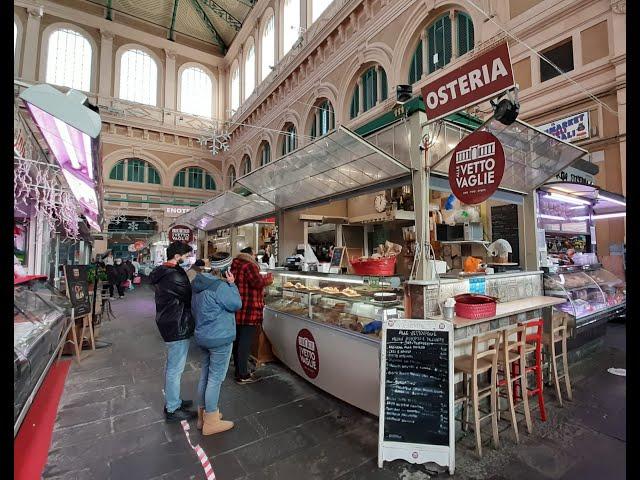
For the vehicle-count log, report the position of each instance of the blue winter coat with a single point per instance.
(214, 304)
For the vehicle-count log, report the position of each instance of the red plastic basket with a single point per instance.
(379, 267)
(472, 306)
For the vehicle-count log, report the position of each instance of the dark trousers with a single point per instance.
(119, 287)
(242, 348)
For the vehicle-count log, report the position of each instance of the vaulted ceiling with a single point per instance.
(213, 21)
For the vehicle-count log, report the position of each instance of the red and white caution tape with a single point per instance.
(202, 456)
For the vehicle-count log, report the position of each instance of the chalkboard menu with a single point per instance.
(78, 289)
(504, 224)
(336, 258)
(416, 399)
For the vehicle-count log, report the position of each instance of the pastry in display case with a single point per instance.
(343, 301)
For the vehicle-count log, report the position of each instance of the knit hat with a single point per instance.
(220, 261)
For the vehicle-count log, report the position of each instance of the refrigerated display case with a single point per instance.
(594, 295)
(41, 317)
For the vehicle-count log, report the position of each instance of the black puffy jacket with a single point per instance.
(173, 302)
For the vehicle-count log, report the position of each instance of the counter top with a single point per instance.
(451, 279)
(507, 309)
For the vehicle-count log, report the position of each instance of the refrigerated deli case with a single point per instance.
(41, 317)
(316, 324)
(594, 295)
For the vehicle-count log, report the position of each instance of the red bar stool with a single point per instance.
(533, 345)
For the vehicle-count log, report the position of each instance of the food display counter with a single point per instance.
(42, 318)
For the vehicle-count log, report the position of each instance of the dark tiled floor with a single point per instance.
(110, 423)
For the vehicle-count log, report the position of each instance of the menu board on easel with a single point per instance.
(77, 289)
(416, 420)
(337, 259)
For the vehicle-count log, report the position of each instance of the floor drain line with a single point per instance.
(202, 456)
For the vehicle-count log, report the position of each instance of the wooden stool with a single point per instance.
(509, 353)
(479, 362)
(558, 334)
(533, 345)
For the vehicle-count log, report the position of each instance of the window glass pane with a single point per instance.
(195, 177)
(289, 140)
(465, 33)
(138, 77)
(69, 60)
(355, 102)
(370, 86)
(210, 183)
(246, 165)
(317, 7)
(439, 35)
(268, 48)
(195, 92)
(561, 56)
(231, 177)
(265, 156)
(250, 72)
(290, 24)
(385, 87)
(152, 175)
(179, 181)
(117, 172)
(415, 70)
(135, 170)
(235, 89)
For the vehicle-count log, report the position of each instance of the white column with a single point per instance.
(221, 82)
(453, 16)
(170, 80)
(31, 45)
(277, 25)
(241, 70)
(106, 64)
(258, 46)
(303, 15)
(379, 84)
(425, 53)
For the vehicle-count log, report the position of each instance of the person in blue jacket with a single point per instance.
(214, 303)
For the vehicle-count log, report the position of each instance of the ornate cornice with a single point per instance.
(619, 6)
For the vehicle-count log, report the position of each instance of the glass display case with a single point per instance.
(354, 303)
(592, 292)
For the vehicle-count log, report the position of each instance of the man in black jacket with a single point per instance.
(176, 325)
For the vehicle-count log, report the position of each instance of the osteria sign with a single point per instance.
(481, 78)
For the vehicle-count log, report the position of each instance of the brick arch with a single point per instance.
(325, 90)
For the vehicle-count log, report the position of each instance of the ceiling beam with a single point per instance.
(173, 21)
(223, 14)
(108, 15)
(212, 29)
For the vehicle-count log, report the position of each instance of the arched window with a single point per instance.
(465, 33)
(69, 60)
(137, 170)
(289, 140)
(194, 177)
(323, 119)
(317, 7)
(440, 45)
(195, 92)
(231, 177)
(290, 24)
(374, 84)
(265, 153)
(268, 48)
(138, 77)
(416, 68)
(235, 89)
(250, 72)
(245, 165)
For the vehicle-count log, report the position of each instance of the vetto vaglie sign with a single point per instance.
(476, 167)
(181, 233)
(481, 78)
(569, 129)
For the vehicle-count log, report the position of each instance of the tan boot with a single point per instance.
(213, 424)
(200, 418)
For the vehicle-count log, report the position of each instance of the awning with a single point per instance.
(227, 209)
(331, 165)
(531, 156)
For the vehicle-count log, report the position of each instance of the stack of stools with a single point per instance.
(558, 334)
(483, 359)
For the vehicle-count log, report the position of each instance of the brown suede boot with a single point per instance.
(200, 417)
(213, 424)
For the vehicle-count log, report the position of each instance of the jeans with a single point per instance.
(242, 348)
(176, 358)
(215, 363)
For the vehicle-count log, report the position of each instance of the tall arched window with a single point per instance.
(374, 89)
(323, 119)
(268, 47)
(195, 92)
(465, 33)
(69, 60)
(235, 89)
(289, 139)
(265, 153)
(250, 72)
(245, 165)
(194, 177)
(416, 68)
(136, 170)
(138, 77)
(231, 177)
(317, 7)
(290, 24)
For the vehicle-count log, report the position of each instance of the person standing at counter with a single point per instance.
(215, 301)
(251, 287)
(176, 325)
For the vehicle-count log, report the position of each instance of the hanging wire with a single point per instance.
(535, 52)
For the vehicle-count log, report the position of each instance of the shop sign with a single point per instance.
(476, 167)
(180, 233)
(307, 350)
(481, 78)
(569, 129)
(573, 175)
(175, 211)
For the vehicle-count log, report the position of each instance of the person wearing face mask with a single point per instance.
(176, 325)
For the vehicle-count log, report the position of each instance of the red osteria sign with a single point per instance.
(181, 233)
(476, 167)
(308, 353)
(481, 78)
